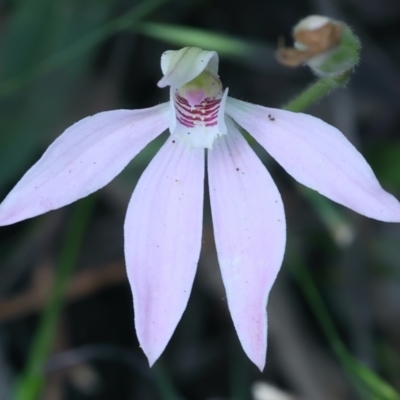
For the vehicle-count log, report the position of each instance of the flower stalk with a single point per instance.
(318, 90)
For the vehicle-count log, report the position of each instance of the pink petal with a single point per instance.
(250, 234)
(86, 157)
(162, 242)
(318, 156)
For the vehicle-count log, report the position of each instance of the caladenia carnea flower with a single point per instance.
(164, 219)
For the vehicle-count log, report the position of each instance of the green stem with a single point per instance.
(32, 380)
(315, 92)
(80, 47)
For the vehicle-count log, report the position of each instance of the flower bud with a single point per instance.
(327, 46)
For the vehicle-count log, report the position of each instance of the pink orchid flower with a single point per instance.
(163, 224)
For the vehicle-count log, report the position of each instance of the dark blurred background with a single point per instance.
(61, 60)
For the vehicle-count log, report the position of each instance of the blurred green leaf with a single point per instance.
(385, 161)
(29, 115)
(84, 44)
(27, 35)
(360, 375)
(31, 382)
(377, 385)
(245, 51)
(187, 36)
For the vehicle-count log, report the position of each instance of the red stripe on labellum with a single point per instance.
(205, 113)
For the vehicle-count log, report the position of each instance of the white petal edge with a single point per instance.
(86, 157)
(163, 229)
(182, 66)
(250, 235)
(319, 156)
